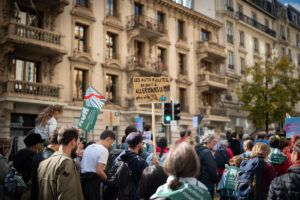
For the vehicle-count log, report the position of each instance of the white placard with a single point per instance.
(195, 121)
(173, 125)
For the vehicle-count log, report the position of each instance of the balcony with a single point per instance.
(213, 81)
(211, 49)
(29, 90)
(150, 66)
(57, 5)
(215, 114)
(147, 26)
(256, 24)
(35, 40)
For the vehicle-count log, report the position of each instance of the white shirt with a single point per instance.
(92, 156)
(49, 128)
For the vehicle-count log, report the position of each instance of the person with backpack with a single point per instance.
(58, 177)
(93, 164)
(222, 156)
(152, 177)
(226, 185)
(289, 149)
(255, 175)
(4, 168)
(161, 151)
(182, 166)
(287, 186)
(52, 147)
(234, 144)
(277, 158)
(248, 145)
(124, 175)
(208, 174)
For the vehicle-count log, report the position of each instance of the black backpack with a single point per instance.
(119, 184)
(221, 158)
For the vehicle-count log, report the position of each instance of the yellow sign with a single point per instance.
(151, 89)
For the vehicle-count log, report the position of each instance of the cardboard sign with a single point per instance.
(151, 89)
(292, 126)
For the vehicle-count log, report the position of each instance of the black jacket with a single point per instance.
(235, 147)
(287, 186)
(23, 163)
(43, 155)
(208, 169)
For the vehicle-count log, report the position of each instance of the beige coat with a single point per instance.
(59, 179)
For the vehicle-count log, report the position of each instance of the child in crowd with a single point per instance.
(248, 145)
(227, 184)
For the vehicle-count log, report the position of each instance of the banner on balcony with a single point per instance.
(151, 89)
(92, 104)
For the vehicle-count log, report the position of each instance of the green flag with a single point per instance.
(92, 104)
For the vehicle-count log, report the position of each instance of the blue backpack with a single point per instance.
(13, 184)
(249, 179)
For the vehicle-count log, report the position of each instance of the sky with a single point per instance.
(294, 3)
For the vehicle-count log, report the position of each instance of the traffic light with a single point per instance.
(176, 109)
(167, 113)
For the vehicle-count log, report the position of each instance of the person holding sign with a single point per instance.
(182, 166)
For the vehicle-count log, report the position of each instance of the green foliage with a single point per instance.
(271, 89)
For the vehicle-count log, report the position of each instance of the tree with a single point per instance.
(270, 91)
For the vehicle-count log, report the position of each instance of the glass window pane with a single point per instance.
(21, 17)
(19, 70)
(30, 69)
(32, 20)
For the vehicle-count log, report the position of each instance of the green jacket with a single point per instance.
(59, 179)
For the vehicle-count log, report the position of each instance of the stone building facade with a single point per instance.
(50, 51)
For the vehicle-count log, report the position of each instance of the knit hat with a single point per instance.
(207, 138)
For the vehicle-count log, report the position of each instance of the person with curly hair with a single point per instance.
(46, 122)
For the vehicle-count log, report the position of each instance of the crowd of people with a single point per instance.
(56, 164)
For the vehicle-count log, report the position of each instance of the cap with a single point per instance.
(134, 139)
(33, 139)
(207, 138)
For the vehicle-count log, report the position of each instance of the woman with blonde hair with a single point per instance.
(46, 122)
(182, 166)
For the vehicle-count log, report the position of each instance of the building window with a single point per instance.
(25, 70)
(267, 23)
(181, 30)
(139, 53)
(29, 18)
(290, 55)
(241, 38)
(186, 3)
(240, 8)
(281, 32)
(161, 22)
(80, 40)
(111, 82)
(207, 99)
(229, 33)
(111, 45)
(205, 35)
(256, 45)
(297, 41)
(268, 49)
(299, 59)
(79, 84)
(242, 66)
(206, 66)
(229, 3)
(161, 57)
(282, 52)
(83, 3)
(111, 8)
(288, 34)
(183, 99)
(138, 9)
(230, 60)
(182, 64)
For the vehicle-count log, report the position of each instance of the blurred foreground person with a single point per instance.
(58, 177)
(182, 166)
(4, 168)
(287, 186)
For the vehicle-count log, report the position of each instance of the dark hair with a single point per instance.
(151, 178)
(123, 139)
(107, 133)
(182, 133)
(261, 135)
(67, 134)
(234, 134)
(53, 137)
(162, 143)
(181, 161)
(129, 129)
(189, 132)
(249, 144)
(147, 127)
(274, 142)
(283, 142)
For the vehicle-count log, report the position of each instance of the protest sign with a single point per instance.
(292, 126)
(139, 123)
(92, 104)
(151, 89)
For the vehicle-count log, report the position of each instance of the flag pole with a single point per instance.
(153, 131)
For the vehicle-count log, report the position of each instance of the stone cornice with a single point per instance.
(196, 16)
